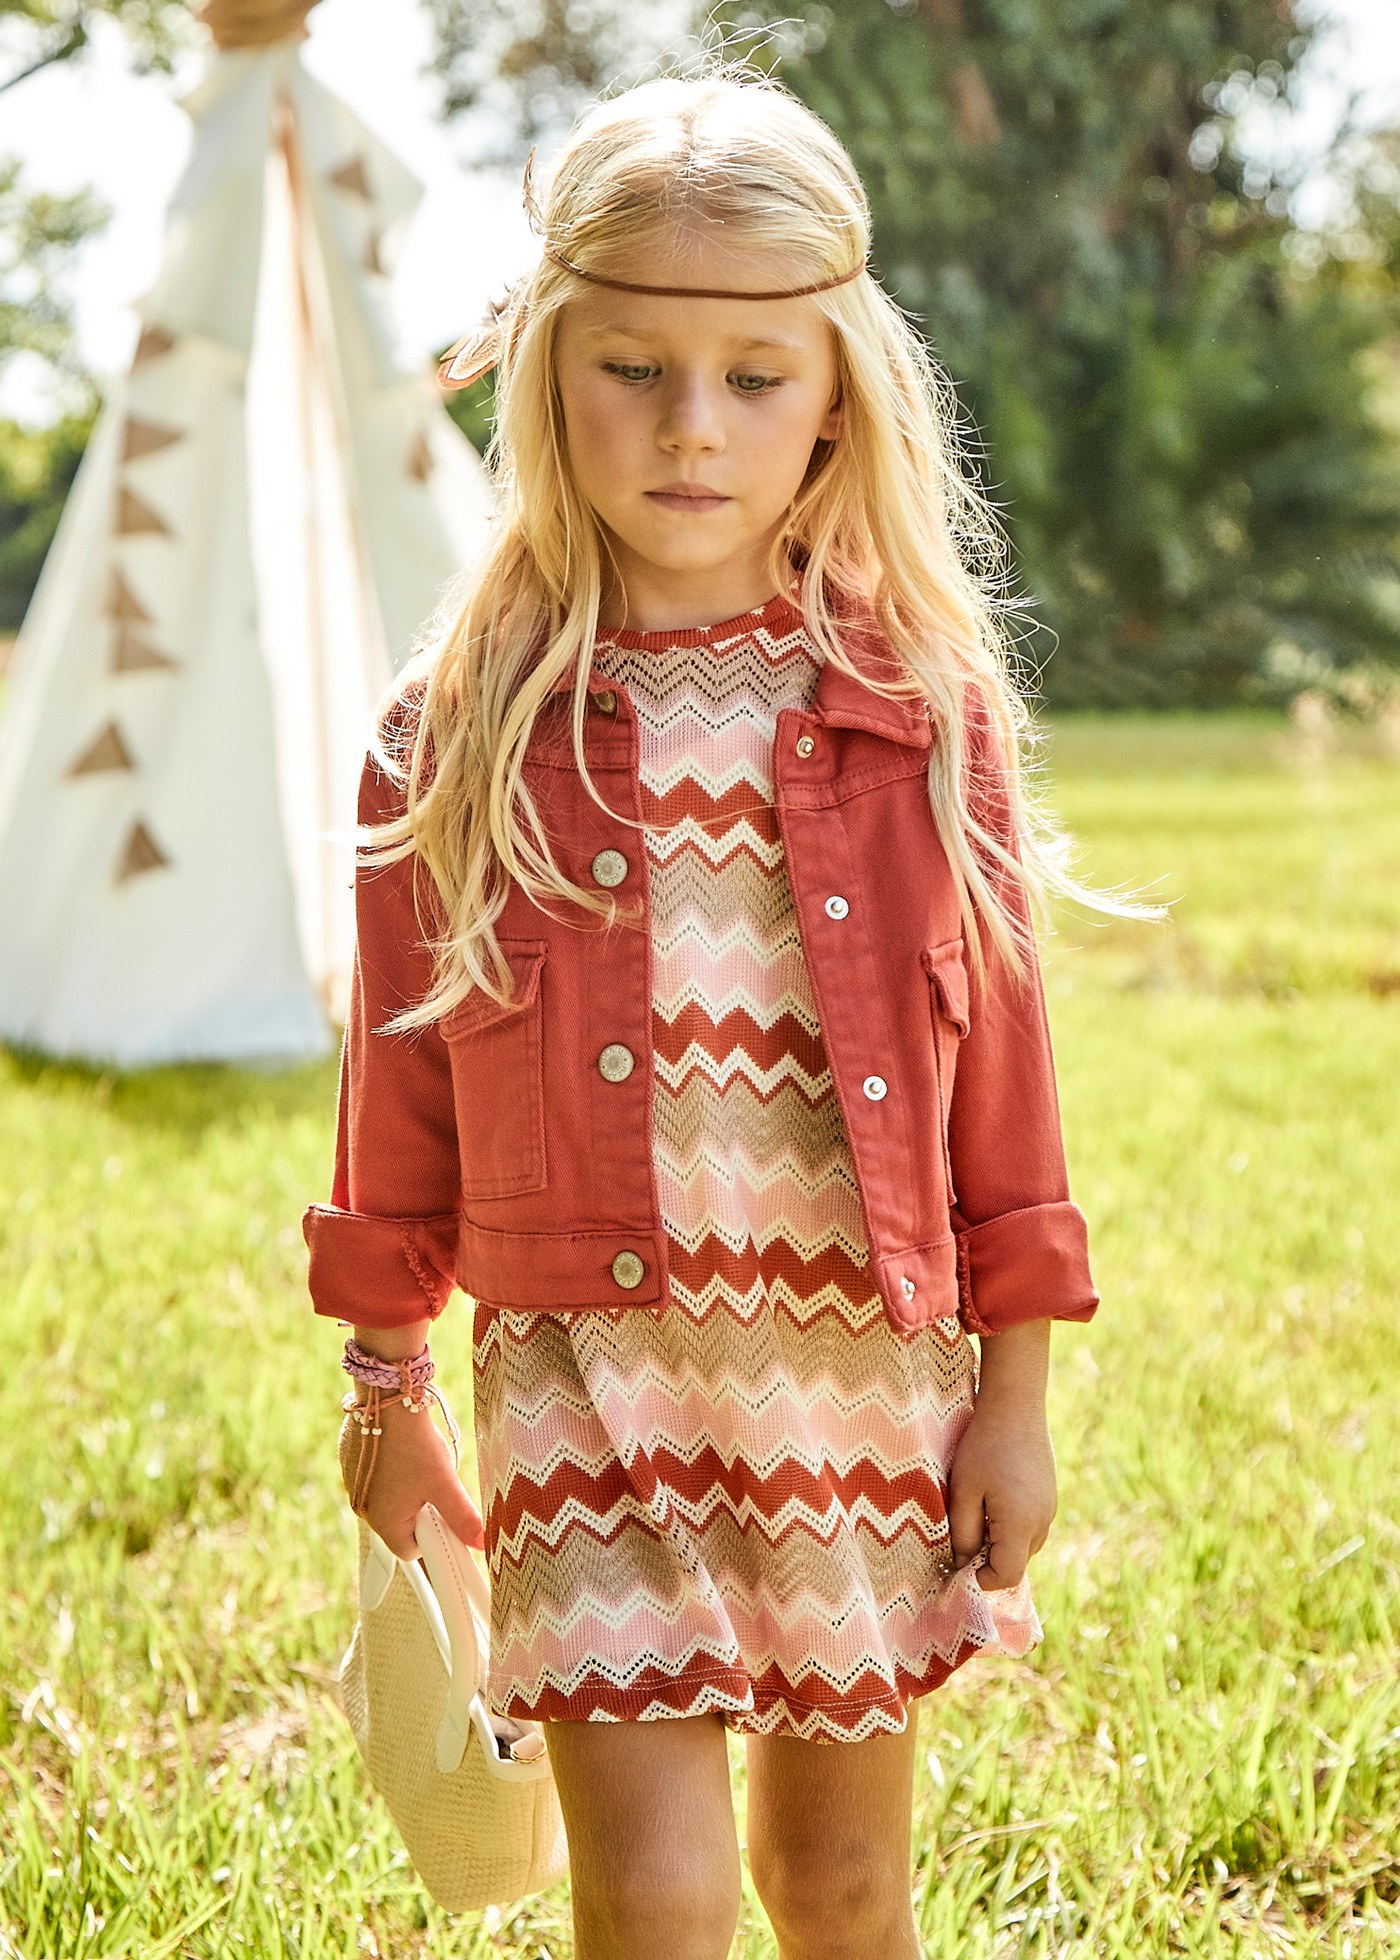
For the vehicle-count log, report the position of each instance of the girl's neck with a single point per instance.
(700, 604)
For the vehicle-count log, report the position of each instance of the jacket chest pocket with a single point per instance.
(498, 1081)
(948, 1007)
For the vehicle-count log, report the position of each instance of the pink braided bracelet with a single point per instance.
(410, 1376)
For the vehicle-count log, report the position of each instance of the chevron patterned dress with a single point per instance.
(735, 1503)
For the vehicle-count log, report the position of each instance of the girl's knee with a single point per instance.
(680, 1905)
(833, 1898)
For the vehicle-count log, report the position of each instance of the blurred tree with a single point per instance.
(1171, 386)
(37, 467)
(472, 409)
(515, 72)
(38, 33)
(38, 234)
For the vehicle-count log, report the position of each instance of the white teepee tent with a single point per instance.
(268, 510)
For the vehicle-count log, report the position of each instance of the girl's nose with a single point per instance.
(690, 414)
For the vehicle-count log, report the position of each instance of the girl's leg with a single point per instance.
(653, 1852)
(828, 1841)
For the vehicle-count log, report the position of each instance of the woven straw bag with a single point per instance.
(481, 1827)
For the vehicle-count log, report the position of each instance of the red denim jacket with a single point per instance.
(491, 1151)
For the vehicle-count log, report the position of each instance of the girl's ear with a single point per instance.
(835, 417)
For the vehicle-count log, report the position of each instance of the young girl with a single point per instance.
(698, 1035)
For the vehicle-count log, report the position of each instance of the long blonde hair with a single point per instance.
(884, 515)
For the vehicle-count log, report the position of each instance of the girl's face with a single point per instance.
(722, 396)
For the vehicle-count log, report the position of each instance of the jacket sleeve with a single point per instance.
(383, 1251)
(1022, 1246)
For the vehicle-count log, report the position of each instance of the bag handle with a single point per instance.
(459, 1586)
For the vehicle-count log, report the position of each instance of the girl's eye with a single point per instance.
(636, 372)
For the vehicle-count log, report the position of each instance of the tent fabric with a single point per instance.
(270, 507)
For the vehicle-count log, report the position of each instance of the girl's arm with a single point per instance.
(1001, 1484)
(1022, 1244)
(383, 1251)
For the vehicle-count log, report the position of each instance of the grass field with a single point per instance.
(1204, 1756)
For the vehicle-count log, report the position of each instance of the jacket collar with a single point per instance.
(840, 700)
(843, 702)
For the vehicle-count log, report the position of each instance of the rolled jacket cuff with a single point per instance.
(1025, 1265)
(379, 1272)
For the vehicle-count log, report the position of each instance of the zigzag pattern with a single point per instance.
(736, 1503)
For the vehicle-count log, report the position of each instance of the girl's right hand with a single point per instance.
(414, 1467)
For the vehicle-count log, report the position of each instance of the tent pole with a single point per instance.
(323, 361)
(306, 356)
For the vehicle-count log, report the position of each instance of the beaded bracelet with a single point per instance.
(412, 1377)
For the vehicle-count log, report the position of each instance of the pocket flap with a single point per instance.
(944, 966)
(525, 957)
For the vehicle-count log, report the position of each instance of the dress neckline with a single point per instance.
(776, 613)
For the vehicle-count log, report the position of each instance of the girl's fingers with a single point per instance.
(399, 1538)
(966, 1521)
(1005, 1566)
(461, 1515)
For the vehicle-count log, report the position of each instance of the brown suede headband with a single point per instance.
(476, 353)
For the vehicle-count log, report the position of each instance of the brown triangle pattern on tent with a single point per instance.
(133, 655)
(141, 853)
(351, 177)
(420, 463)
(105, 751)
(146, 438)
(123, 604)
(154, 342)
(136, 518)
(371, 260)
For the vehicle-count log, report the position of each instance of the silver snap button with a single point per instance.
(874, 1087)
(605, 702)
(627, 1269)
(610, 867)
(906, 1287)
(805, 745)
(615, 1062)
(836, 907)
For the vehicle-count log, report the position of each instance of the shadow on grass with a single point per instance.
(183, 1098)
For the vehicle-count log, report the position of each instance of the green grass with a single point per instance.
(1204, 1756)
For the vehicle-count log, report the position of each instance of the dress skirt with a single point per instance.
(736, 1502)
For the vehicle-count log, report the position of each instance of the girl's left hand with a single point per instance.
(1001, 1487)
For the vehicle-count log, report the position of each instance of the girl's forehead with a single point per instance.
(791, 325)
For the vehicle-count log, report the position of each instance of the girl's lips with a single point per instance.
(672, 502)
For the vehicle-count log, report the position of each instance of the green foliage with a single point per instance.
(37, 467)
(1177, 425)
(1171, 397)
(40, 32)
(473, 410)
(514, 71)
(1201, 1758)
(38, 236)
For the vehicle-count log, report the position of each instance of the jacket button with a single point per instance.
(606, 702)
(836, 907)
(805, 745)
(610, 867)
(627, 1269)
(906, 1287)
(615, 1062)
(874, 1087)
